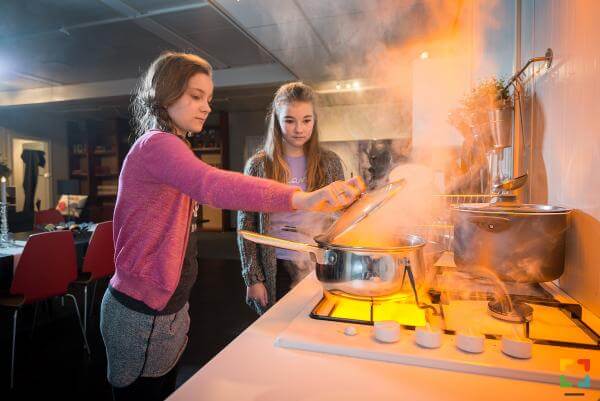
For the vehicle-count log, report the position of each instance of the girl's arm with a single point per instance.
(168, 160)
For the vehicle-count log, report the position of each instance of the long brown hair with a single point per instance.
(275, 166)
(160, 86)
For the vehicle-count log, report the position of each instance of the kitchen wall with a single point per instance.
(364, 121)
(563, 129)
(243, 124)
(244, 128)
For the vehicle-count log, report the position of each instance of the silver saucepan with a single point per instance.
(355, 270)
(517, 242)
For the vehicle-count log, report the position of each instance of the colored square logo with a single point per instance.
(585, 364)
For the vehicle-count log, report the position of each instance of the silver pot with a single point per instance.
(519, 243)
(358, 271)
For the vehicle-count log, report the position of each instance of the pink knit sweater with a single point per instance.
(159, 179)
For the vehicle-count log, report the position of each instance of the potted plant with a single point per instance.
(489, 94)
(500, 114)
(487, 111)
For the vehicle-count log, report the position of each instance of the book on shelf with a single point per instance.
(100, 149)
(107, 189)
(80, 149)
(103, 170)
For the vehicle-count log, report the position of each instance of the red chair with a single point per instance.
(49, 216)
(46, 269)
(99, 262)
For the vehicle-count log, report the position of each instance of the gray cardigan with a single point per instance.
(259, 263)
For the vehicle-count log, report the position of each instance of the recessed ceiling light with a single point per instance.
(356, 85)
(424, 55)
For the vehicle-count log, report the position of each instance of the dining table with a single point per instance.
(9, 256)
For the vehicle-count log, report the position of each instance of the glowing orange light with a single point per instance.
(398, 307)
(351, 309)
(403, 313)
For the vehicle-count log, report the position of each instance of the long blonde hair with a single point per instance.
(276, 167)
(160, 86)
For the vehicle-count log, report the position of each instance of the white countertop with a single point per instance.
(252, 368)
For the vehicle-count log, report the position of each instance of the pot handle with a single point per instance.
(317, 254)
(490, 224)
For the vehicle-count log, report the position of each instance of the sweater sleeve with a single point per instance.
(252, 271)
(169, 161)
(336, 168)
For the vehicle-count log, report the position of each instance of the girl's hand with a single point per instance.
(334, 196)
(258, 292)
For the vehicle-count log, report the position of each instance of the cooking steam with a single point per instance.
(401, 67)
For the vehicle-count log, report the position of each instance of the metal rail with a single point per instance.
(548, 57)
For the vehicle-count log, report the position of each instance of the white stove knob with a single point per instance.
(469, 342)
(428, 338)
(350, 331)
(387, 331)
(516, 347)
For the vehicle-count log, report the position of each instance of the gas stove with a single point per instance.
(528, 312)
(526, 332)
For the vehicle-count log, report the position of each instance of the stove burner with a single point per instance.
(519, 312)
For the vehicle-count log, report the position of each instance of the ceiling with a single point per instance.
(324, 40)
(64, 42)
(70, 50)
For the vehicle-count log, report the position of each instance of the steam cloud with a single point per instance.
(414, 60)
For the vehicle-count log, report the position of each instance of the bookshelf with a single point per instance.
(97, 149)
(212, 146)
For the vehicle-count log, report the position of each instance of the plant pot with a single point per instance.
(501, 122)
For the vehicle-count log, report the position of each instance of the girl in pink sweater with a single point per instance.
(144, 315)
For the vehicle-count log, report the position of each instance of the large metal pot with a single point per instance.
(358, 271)
(519, 243)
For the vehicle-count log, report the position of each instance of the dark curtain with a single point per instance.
(33, 159)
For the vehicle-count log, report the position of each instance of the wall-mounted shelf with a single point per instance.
(108, 153)
(207, 150)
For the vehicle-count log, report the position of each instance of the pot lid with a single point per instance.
(517, 208)
(367, 203)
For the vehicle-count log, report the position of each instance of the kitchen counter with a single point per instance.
(252, 368)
